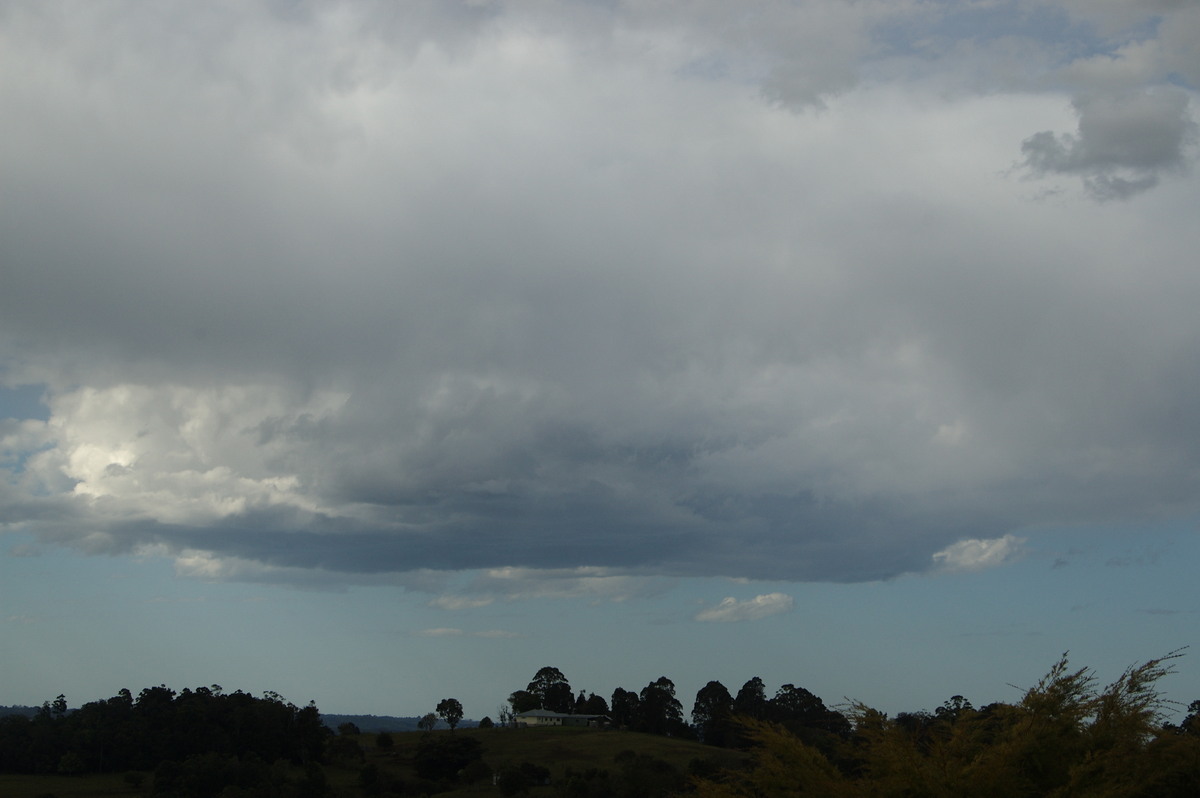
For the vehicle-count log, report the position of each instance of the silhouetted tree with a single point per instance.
(1191, 723)
(712, 713)
(524, 701)
(806, 716)
(953, 708)
(595, 705)
(451, 711)
(751, 700)
(659, 710)
(552, 690)
(625, 708)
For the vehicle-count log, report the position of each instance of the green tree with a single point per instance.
(451, 711)
(427, 722)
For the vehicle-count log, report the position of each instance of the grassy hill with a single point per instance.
(559, 750)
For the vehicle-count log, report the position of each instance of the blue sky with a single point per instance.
(377, 353)
(1113, 596)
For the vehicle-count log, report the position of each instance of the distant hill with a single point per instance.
(365, 723)
(16, 709)
(380, 723)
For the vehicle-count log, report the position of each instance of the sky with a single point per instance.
(376, 353)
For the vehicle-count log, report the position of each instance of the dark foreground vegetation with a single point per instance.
(1066, 737)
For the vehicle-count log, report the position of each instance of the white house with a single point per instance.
(544, 717)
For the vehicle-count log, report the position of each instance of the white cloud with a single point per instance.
(498, 634)
(730, 609)
(440, 632)
(178, 455)
(459, 602)
(975, 555)
(490, 634)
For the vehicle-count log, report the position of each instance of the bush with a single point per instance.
(442, 757)
(70, 764)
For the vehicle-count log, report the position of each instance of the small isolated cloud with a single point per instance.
(441, 631)
(1124, 143)
(975, 555)
(446, 631)
(587, 582)
(730, 609)
(459, 602)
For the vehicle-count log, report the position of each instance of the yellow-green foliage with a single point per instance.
(1063, 739)
(784, 766)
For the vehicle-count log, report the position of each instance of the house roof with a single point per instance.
(545, 713)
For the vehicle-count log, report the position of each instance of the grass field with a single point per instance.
(107, 785)
(557, 749)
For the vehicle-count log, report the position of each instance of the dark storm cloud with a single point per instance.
(344, 291)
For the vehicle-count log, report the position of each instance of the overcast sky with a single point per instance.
(634, 338)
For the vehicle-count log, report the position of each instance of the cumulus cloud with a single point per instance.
(1124, 143)
(730, 609)
(975, 555)
(579, 298)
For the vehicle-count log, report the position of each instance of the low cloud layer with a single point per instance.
(566, 296)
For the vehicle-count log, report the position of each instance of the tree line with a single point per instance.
(159, 726)
(1065, 737)
(716, 716)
